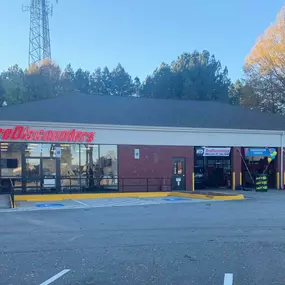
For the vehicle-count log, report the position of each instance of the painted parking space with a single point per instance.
(175, 199)
(49, 205)
(228, 278)
(103, 202)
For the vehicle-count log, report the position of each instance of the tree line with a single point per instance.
(192, 76)
(196, 75)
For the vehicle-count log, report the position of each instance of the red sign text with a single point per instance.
(28, 134)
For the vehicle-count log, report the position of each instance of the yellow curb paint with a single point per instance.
(61, 197)
(207, 197)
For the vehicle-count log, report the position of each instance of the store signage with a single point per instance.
(58, 152)
(137, 153)
(261, 183)
(262, 151)
(22, 133)
(213, 151)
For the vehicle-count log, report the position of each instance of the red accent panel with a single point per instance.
(154, 162)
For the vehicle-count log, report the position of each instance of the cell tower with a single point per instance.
(39, 39)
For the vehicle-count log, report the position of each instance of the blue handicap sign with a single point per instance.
(173, 199)
(48, 205)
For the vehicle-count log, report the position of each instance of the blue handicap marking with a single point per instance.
(173, 199)
(49, 205)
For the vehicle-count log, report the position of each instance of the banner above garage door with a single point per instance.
(263, 151)
(213, 151)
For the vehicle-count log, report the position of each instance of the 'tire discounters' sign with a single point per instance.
(22, 133)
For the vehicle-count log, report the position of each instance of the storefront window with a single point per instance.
(69, 166)
(11, 164)
(82, 167)
(109, 166)
(33, 174)
(48, 150)
(33, 149)
(39, 150)
(90, 170)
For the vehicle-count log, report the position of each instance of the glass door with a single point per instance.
(33, 174)
(40, 174)
(48, 170)
(178, 174)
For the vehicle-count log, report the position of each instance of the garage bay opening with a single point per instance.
(212, 167)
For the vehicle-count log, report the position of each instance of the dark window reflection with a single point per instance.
(69, 166)
(109, 166)
(90, 170)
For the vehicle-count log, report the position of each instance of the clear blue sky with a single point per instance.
(139, 34)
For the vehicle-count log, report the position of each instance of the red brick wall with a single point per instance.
(154, 162)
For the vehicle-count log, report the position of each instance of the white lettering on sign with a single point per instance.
(214, 151)
(178, 180)
(49, 183)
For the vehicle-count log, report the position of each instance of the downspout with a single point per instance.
(282, 163)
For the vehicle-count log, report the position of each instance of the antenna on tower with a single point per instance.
(39, 38)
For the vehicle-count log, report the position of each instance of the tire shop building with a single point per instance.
(81, 142)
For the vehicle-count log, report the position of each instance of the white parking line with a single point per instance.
(229, 279)
(55, 277)
(84, 204)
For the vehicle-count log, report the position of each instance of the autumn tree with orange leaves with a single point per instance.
(265, 68)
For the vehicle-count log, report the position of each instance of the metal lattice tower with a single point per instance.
(39, 39)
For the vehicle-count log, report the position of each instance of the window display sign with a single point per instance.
(263, 151)
(213, 151)
(57, 152)
(23, 133)
(137, 153)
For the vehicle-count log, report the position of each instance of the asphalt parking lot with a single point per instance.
(165, 243)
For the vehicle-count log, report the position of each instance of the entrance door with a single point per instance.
(32, 179)
(40, 174)
(178, 173)
(48, 169)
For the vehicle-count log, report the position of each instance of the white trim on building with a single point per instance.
(146, 135)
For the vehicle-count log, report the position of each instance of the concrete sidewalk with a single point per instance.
(5, 201)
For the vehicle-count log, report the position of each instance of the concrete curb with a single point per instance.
(219, 196)
(61, 197)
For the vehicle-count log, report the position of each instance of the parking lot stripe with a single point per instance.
(79, 202)
(228, 280)
(55, 277)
